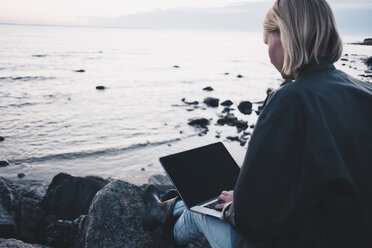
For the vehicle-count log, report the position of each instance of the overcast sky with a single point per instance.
(352, 16)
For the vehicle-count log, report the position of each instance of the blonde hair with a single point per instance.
(307, 31)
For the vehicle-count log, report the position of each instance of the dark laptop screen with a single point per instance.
(202, 173)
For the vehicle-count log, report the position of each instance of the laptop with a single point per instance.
(201, 174)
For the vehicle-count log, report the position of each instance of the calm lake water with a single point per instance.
(53, 119)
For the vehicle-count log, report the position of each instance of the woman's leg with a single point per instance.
(190, 226)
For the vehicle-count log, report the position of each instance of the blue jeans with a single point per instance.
(190, 226)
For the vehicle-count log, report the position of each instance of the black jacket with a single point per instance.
(306, 180)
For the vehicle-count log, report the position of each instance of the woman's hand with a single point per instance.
(225, 197)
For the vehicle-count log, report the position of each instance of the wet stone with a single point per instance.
(189, 103)
(21, 175)
(208, 88)
(245, 107)
(4, 163)
(211, 102)
(199, 122)
(100, 87)
(227, 103)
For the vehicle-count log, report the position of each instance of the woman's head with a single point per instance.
(306, 30)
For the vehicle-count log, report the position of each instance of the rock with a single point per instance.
(4, 163)
(21, 175)
(367, 41)
(236, 138)
(208, 88)
(80, 70)
(13, 243)
(228, 119)
(62, 233)
(2, 139)
(39, 55)
(239, 76)
(227, 110)
(7, 224)
(29, 219)
(8, 197)
(161, 182)
(69, 197)
(368, 62)
(231, 120)
(245, 107)
(199, 122)
(346, 55)
(189, 103)
(100, 87)
(344, 59)
(114, 220)
(31, 188)
(227, 103)
(211, 102)
(252, 126)
(241, 125)
(176, 66)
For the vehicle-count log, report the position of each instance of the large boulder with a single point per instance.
(30, 220)
(69, 197)
(13, 243)
(114, 220)
(8, 201)
(7, 224)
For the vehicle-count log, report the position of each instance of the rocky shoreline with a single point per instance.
(78, 212)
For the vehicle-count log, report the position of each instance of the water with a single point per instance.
(53, 118)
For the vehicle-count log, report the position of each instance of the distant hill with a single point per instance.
(351, 18)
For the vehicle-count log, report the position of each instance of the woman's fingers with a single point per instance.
(220, 206)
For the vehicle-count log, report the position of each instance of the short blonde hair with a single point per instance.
(307, 31)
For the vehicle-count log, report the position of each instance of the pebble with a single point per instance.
(208, 88)
(80, 70)
(100, 87)
(176, 66)
(239, 76)
(21, 175)
(2, 139)
(189, 103)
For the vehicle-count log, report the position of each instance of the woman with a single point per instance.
(306, 180)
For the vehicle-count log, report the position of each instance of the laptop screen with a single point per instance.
(202, 173)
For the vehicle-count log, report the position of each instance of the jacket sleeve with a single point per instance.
(278, 182)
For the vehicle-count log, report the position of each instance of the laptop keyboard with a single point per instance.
(212, 205)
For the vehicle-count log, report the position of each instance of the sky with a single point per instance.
(352, 16)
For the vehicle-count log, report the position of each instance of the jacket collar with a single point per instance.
(313, 66)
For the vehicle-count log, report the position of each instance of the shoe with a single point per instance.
(158, 213)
